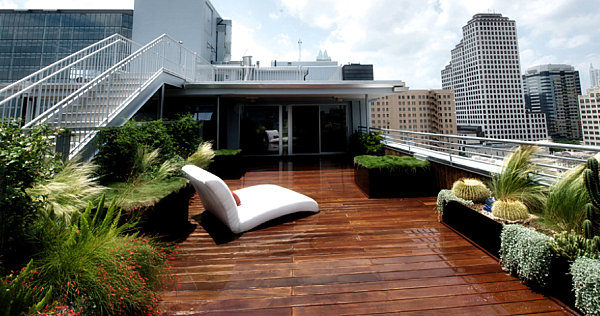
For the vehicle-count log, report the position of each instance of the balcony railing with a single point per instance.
(485, 155)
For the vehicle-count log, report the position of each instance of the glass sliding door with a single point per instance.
(260, 130)
(305, 129)
(333, 128)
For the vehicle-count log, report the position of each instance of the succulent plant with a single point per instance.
(471, 189)
(509, 209)
(571, 245)
(591, 225)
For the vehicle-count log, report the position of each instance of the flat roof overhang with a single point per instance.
(342, 89)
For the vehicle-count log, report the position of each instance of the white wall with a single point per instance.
(192, 21)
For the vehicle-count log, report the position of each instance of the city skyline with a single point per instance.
(407, 41)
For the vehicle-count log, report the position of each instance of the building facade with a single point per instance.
(594, 76)
(589, 107)
(429, 111)
(33, 39)
(196, 24)
(554, 90)
(485, 74)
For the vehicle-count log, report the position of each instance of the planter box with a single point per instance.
(227, 166)
(381, 183)
(477, 227)
(561, 283)
(169, 216)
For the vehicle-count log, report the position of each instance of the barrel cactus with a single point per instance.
(471, 189)
(511, 210)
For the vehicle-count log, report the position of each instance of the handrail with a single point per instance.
(36, 93)
(477, 152)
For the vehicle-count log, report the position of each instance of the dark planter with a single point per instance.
(169, 216)
(381, 183)
(227, 166)
(561, 282)
(478, 228)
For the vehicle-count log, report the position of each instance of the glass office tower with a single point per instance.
(32, 39)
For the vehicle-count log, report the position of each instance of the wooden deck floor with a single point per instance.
(357, 256)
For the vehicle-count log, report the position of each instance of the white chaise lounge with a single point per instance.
(259, 203)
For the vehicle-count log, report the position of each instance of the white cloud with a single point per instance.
(78, 4)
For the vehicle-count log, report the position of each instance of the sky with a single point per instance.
(408, 40)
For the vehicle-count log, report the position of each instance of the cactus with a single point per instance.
(591, 224)
(511, 210)
(471, 189)
(571, 245)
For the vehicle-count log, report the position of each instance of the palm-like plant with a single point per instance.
(516, 180)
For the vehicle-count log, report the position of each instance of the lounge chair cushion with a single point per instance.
(260, 203)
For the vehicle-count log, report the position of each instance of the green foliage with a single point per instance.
(586, 284)
(471, 189)
(143, 194)
(203, 156)
(515, 180)
(592, 186)
(68, 190)
(446, 196)
(403, 164)
(118, 146)
(185, 132)
(19, 297)
(572, 245)
(227, 152)
(24, 159)
(366, 144)
(97, 266)
(526, 253)
(566, 201)
(511, 210)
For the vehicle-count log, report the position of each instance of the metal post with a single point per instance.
(162, 102)
(368, 118)
(218, 120)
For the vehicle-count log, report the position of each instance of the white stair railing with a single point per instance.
(38, 92)
(98, 101)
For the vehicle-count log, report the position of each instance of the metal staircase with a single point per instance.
(101, 85)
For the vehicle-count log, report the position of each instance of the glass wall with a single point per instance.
(260, 130)
(33, 39)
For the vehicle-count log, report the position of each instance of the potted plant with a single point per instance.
(227, 164)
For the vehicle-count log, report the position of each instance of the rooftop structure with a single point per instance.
(589, 107)
(594, 76)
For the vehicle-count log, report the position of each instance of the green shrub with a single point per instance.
(571, 246)
(185, 132)
(118, 146)
(203, 155)
(516, 180)
(19, 297)
(366, 144)
(566, 202)
(526, 253)
(227, 152)
(586, 284)
(446, 196)
(25, 158)
(96, 267)
(404, 164)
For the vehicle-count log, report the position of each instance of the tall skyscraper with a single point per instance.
(589, 106)
(485, 74)
(594, 76)
(554, 90)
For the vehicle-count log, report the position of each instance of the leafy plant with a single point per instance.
(446, 196)
(471, 189)
(118, 146)
(185, 134)
(566, 201)
(571, 245)
(405, 164)
(19, 297)
(25, 158)
(227, 152)
(68, 190)
(516, 180)
(366, 144)
(586, 285)
(203, 155)
(526, 253)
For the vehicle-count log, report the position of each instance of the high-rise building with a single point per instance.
(594, 76)
(32, 39)
(554, 90)
(589, 107)
(485, 74)
(430, 111)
